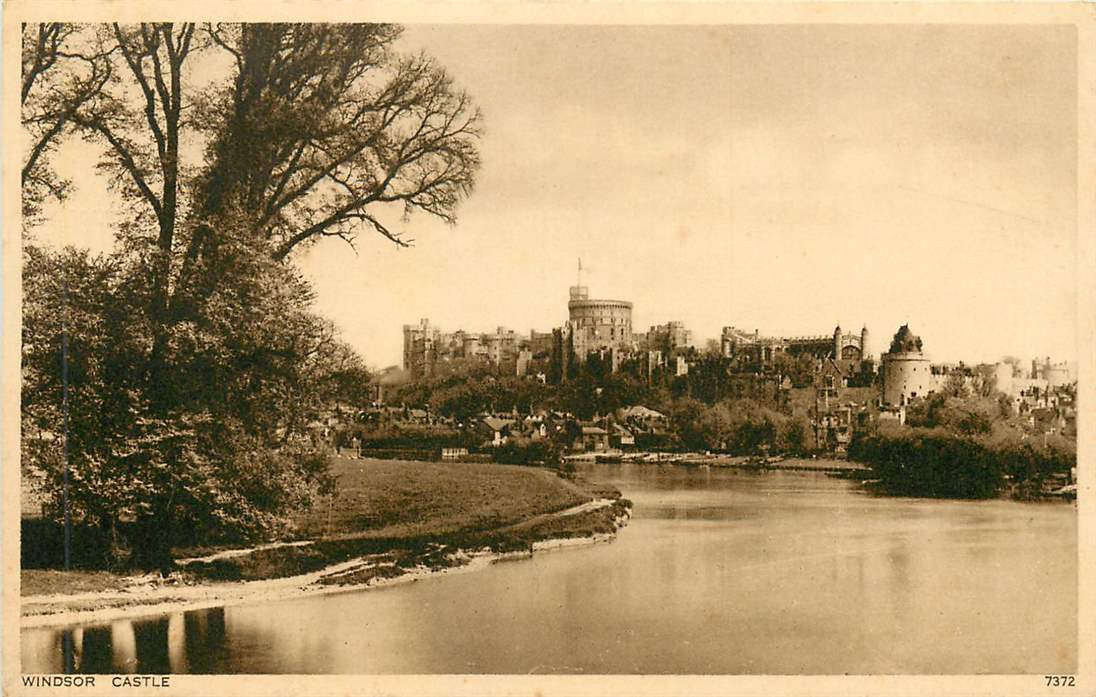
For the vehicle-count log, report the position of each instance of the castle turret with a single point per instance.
(865, 344)
(837, 342)
(907, 373)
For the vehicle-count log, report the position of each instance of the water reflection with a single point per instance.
(718, 572)
(182, 642)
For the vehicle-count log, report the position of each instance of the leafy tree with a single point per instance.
(571, 358)
(795, 436)
(194, 357)
(555, 361)
(462, 402)
(970, 415)
(685, 420)
(524, 451)
(592, 393)
(709, 379)
(214, 467)
(800, 369)
(929, 462)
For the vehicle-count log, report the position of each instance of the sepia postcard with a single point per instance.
(516, 348)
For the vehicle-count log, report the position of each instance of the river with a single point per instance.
(719, 572)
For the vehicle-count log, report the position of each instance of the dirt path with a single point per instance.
(243, 552)
(594, 505)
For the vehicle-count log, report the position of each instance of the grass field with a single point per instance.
(394, 498)
(386, 505)
(51, 581)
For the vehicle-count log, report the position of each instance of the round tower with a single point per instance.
(906, 370)
(837, 342)
(865, 344)
(598, 324)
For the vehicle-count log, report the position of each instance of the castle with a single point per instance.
(424, 346)
(593, 326)
(604, 328)
(761, 351)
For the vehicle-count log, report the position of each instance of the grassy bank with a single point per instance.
(392, 498)
(52, 582)
(396, 516)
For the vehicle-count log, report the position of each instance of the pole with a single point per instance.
(67, 648)
(65, 463)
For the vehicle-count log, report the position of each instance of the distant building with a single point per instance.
(668, 337)
(419, 347)
(424, 346)
(595, 325)
(621, 438)
(385, 380)
(1056, 374)
(1003, 376)
(906, 370)
(525, 357)
(593, 439)
(681, 366)
(760, 351)
(496, 430)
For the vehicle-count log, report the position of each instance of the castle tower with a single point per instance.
(837, 342)
(597, 324)
(907, 373)
(865, 344)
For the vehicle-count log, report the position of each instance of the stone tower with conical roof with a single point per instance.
(906, 371)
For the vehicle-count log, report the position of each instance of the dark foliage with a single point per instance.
(939, 463)
(523, 451)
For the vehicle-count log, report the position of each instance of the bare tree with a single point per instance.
(323, 124)
(62, 69)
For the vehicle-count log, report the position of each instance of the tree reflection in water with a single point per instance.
(183, 642)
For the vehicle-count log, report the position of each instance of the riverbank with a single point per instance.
(391, 522)
(750, 462)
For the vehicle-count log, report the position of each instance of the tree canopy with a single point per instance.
(173, 378)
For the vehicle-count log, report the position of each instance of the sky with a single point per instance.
(774, 177)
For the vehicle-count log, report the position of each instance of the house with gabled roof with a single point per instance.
(497, 430)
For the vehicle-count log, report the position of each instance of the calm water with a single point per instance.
(719, 571)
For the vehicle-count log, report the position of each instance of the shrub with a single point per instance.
(523, 451)
(411, 438)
